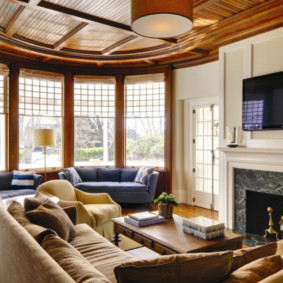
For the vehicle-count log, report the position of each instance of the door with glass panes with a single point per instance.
(206, 156)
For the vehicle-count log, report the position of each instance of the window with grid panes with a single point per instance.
(94, 112)
(3, 112)
(145, 120)
(40, 107)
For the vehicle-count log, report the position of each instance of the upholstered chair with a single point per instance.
(96, 210)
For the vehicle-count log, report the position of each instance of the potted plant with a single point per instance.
(165, 204)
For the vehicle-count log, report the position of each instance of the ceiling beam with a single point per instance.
(59, 44)
(117, 45)
(82, 15)
(19, 17)
(92, 18)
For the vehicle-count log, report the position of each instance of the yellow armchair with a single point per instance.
(96, 210)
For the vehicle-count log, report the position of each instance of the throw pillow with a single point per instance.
(143, 175)
(198, 267)
(71, 260)
(257, 270)
(72, 175)
(22, 180)
(36, 231)
(51, 215)
(33, 203)
(243, 256)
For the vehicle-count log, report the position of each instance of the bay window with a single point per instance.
(40, 107)
(145, 120)
(94, 120)
(3, 112)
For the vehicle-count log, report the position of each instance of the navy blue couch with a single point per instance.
(5, 186)
(118, 183)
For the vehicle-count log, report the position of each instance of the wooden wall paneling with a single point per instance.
(168, 127)
(13, 117)
(68, 137)
(120, 139)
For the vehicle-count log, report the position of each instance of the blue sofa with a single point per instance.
(5, 186)
(118, 183)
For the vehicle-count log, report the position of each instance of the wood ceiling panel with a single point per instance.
(95, 37)
(140, 43)
(115, 10)
(46, 28)
(7, 10)
(98, 31)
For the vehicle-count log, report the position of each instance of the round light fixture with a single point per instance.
(161, 18)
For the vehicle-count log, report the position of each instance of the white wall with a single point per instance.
(254, 56)
(188, 84)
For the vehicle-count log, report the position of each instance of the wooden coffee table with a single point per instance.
(169, 238)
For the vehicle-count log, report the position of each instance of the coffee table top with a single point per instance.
(170, 234)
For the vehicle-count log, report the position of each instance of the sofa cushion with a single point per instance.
(87, 174)
(51, 215)
(5, 180)
(22, 180)
(257, 270)
(274, 278)
(72, 175)
(105, 187)
(143, 175)
(108, 175)
(198, 267)
(38, 232)
(243, 256)
(15, 193)
(71, 260)
(102, 254)
(128, 175)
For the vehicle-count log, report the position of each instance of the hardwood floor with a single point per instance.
(184, 210)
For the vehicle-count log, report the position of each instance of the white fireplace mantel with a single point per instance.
(265, 159)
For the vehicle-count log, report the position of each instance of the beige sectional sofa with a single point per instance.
(31, 253)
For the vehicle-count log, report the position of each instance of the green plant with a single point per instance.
(164, 198)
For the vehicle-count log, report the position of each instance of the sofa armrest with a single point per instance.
(37, 180)
(83, 215)
(62, 176)
(151, 184)
(89, 198)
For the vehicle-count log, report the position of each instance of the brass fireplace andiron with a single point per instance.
(270, 230)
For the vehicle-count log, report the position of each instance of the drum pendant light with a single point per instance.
(162, 18)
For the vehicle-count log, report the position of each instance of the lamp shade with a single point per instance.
(44, 137)
(162, 18)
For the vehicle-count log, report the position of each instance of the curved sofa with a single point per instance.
(5, 186)
(118, 183)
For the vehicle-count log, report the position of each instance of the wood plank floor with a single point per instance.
(184, 210)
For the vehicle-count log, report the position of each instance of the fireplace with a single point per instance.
(254, 191)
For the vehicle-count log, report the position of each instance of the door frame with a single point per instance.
(189, 104)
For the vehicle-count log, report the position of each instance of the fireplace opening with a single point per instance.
(257, 217)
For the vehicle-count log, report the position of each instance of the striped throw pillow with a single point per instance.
(22, 180)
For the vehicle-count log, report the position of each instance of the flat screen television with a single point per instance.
(263, 103)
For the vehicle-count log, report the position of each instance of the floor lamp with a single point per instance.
(44, 137)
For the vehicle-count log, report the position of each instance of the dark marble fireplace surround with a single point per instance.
(256, 181)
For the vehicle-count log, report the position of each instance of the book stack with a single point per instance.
(204, 228)
(144, 218)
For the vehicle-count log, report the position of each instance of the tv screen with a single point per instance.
(263, 103)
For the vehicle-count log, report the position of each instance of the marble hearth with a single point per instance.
(265, 162)
(255, 190)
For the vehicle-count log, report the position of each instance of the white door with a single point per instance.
(206, 156)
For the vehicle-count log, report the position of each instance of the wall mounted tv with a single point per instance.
(263, 103)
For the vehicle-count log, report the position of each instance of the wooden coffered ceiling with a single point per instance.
(98, 33)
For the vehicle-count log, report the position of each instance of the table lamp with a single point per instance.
(44, 137)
